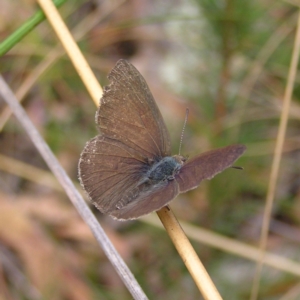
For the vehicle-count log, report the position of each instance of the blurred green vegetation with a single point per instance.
(197, 54)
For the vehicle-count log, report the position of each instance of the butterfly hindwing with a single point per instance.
(149, 202)
(107, 169)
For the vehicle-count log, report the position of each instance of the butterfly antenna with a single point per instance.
(182, 133)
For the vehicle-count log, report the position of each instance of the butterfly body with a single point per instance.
(165, 169)
(127, 170)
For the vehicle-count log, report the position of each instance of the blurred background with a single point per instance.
(228, 62)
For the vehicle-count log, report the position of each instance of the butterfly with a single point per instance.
(127, 170)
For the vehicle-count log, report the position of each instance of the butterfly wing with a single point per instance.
(207, 165)
(107, 169)
(129, 114)
(132, 131)
(148, 202)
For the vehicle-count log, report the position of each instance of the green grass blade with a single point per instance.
(22, 31)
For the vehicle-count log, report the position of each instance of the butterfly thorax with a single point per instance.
(165, 169)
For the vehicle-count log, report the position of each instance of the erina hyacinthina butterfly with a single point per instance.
(127, 170)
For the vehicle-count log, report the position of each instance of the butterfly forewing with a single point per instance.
(207, 165)
(129, 113)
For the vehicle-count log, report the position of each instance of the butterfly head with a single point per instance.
(180, 159)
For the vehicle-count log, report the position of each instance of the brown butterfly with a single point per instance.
(127, 170)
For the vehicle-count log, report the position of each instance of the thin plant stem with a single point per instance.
(188, 255)
(81, 65)
(276, 161)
